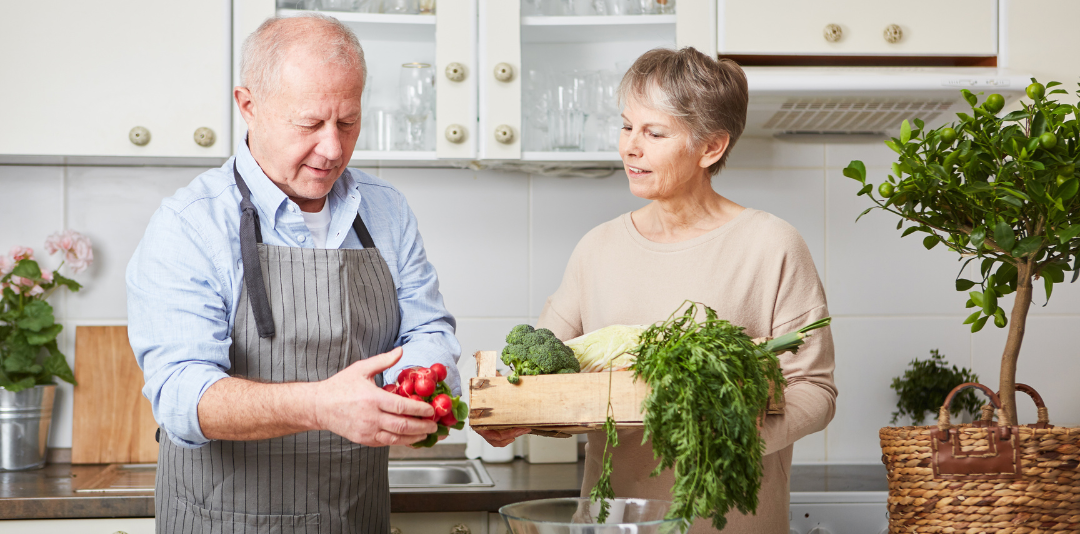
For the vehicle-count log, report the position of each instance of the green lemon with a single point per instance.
(1035, 91)
(1061, 179)
(994, 103)
(1048, 140)
(948, 135)
(886, 189)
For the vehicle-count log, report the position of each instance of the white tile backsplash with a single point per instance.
(872, 271)
(475, 229)
(500, 242)
(112, 206)
(870, 352)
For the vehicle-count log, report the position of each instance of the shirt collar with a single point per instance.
(268, 197)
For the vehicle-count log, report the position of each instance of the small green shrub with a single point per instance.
(925, 385)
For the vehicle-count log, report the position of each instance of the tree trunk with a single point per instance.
(1017, 326)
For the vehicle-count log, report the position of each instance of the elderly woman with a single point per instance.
(683, 112)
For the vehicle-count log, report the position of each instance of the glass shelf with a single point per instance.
(380, 26)
(597, 29)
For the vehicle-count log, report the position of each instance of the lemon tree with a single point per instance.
(1000, 191)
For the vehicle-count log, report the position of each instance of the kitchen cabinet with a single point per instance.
(857, 27)
(485, 54)
(440, 523)
(142, 525)
(115, 78)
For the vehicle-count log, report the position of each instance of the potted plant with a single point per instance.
(925, 384)
(1001, 192)
(29, 355)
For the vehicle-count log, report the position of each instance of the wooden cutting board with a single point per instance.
(113, 422)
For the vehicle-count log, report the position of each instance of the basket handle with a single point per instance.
(945, 420)
(1044, 415)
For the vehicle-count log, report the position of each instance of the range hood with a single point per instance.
(856, 102)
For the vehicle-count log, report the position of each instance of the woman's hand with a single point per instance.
(501, 438)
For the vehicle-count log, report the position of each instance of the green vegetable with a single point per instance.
(532, 351)
(925, 385)
(603, 491)
(606, 348)
(709, 386)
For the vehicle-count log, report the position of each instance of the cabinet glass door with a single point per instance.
(573, 54)
(419, 101)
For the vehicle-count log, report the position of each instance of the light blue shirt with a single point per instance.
(184, 281)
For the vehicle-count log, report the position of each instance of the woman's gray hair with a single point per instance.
(265, 50)
(708, 96)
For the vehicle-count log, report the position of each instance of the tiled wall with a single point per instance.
(500, 242)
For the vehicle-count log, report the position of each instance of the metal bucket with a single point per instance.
(24, 427)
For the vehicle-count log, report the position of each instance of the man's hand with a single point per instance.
(350, 405)
(501, 438)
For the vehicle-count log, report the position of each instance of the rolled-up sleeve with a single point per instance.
(178, 322)
(427, 328)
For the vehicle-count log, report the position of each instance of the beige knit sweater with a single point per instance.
(756, 272)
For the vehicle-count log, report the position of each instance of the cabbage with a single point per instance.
(607, 347)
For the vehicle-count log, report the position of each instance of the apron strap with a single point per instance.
(362, 232)
(250, 237)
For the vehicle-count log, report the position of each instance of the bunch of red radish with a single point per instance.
(426, 384)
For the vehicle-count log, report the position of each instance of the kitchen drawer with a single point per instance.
(441, 523)
(798, 27)
(142, 525)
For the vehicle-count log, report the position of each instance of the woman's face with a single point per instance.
(656, 155)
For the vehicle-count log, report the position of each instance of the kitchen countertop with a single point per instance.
(48, 493)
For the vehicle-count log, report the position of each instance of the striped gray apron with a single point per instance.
(303, 315)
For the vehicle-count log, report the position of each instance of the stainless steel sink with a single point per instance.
(126, 478)
(438, 474)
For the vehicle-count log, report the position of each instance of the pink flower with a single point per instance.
(78, 252)
(6, 265)
(22, 253)
(37, 290)
(46, 276)
(61, 241)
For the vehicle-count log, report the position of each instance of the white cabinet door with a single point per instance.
(500, 92)
(78, 76)
(456, 79)
(441, 523)
(913, 28)
(143, 525)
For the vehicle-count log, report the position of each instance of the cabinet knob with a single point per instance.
(139, 136)
(893, 33)
(833, 33)
(205, 136)
(455, 133)
(460, 528)
(504, 72)
(504, 134)
(455, 72)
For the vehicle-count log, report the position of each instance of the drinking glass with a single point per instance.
(370, 6)
(340, 5)
(566, 118)
(426, 7)
(401, 7)
(385, 129)
(534, 107)
(531, 8)
(298, 4)
(416, 94)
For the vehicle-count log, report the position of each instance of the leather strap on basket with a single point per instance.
(1044, 415)
(999, 460)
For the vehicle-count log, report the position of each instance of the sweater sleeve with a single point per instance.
(562, 311)
(810, 396)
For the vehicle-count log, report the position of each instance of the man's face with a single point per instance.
(303, 134)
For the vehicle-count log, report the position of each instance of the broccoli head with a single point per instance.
(532, 351)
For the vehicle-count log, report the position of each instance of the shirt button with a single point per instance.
(239, 263)
(300, 238)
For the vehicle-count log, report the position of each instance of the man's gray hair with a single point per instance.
(265, 50)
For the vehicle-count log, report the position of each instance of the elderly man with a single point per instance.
(270, 298)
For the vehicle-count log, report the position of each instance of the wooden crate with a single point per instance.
(557, 405)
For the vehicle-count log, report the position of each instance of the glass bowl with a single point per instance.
(578, 516)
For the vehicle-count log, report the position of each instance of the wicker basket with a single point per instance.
(983, 477)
